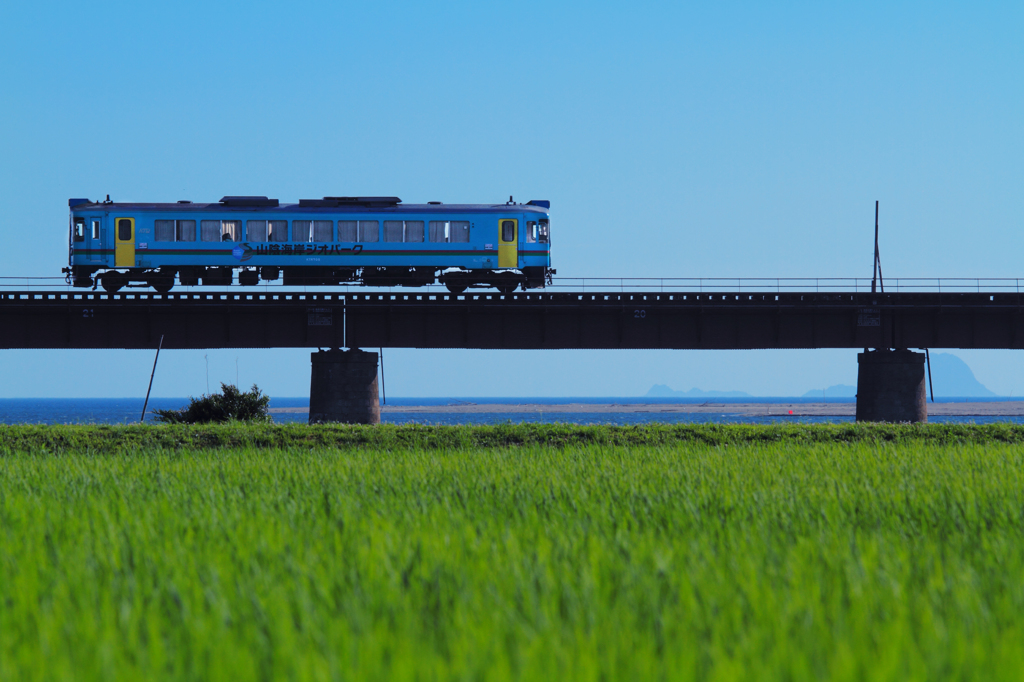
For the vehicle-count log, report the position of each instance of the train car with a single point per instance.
(374, 241)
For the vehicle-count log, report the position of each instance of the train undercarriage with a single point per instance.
(455, 280)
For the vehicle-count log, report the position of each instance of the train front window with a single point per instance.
(531, 232)
(543, 231)
(79, 229)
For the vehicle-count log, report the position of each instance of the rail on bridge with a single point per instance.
(990, 285)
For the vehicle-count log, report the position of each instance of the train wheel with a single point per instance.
(455, 288)
(162, 282)
(507, 288)
(112, 281)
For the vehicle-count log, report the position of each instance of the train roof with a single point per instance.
(325, 205)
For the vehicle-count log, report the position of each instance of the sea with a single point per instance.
(129, 410)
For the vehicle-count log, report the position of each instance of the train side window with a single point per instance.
(163, 230)
(543, 234)
(124, 229)
(231, 230)
(414, 230)
(95, 229)
(174, 230)
(531, 231)
(186, 230)
(278, 230)
(458, 231)
(369, 230)
(508, 230)
(79, 229)
(209, 230)
(347, 231)
(393, 231)
(438, 231)
(256, 230)
(302, 230)
(323, 230)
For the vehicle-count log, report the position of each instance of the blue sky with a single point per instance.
(673, 140)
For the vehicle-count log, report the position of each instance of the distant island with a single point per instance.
(663, 391)
(951, 376)
(954, 379)
(837, 391)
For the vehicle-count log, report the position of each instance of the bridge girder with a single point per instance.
(559, 320)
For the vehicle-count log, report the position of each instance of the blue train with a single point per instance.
(375, 241)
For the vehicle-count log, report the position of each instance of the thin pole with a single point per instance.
(874, 263)
(383, 393)
(878, 254)
(151, 374)
(928, 363)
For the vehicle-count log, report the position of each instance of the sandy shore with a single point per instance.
(1013, 408)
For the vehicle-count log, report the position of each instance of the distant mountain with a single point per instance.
(837, 391)
(952, 378)
(950, 375)
(663, 391)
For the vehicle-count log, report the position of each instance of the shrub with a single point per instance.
(228, 405)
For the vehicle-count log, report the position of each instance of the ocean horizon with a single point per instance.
(129, 410)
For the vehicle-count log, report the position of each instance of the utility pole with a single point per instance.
(876, 270)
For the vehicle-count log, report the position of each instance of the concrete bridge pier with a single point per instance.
(890, 386)
(343, 387)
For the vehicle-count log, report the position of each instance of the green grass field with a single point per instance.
(516, 552)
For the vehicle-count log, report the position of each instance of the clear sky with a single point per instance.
(673, 140)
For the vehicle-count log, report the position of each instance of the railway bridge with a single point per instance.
(890, 378)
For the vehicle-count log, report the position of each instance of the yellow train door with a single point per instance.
(508, 243)
(124, 242)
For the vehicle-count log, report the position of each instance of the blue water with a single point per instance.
(126, 410)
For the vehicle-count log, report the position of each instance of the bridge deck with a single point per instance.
(682, 320)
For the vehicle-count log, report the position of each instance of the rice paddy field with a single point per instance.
(512, 552)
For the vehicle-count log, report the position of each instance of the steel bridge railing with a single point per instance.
(790, 284)
(628, 284)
